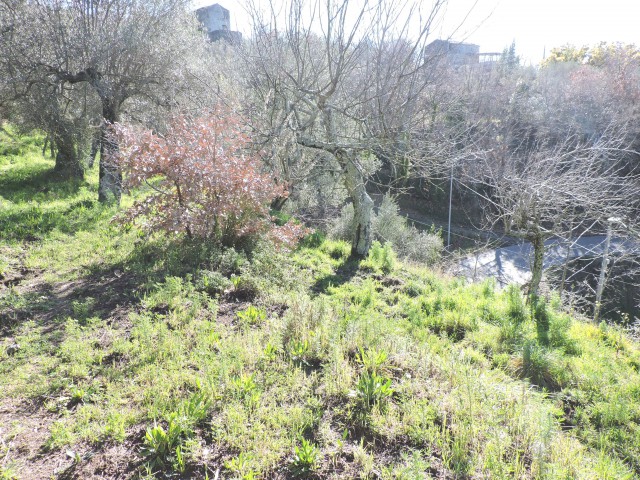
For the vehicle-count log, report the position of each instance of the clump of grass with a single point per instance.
(542, 318)
(512, 326)
(381, 258)
(516, 310)
(453, 323)
(538, 365)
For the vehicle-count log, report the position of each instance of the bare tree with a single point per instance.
(558, 190)
(348, 80)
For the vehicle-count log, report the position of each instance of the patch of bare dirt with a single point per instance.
(113, 293)
(24, 431)
(23, 436)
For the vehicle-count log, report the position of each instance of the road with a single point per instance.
(512, 264)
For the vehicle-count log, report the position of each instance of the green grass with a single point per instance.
(273, 365)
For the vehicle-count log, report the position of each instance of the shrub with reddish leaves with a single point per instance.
(204, 181)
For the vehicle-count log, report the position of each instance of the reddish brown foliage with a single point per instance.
(204, 180)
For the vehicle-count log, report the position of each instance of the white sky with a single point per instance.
(535, 25)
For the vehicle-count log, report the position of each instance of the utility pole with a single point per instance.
(450, 197)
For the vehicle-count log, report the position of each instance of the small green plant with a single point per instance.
(160, 445)
(305, 457)
(371, 359)
(82, 308)
(516, 310)
(242, 465)
(313, 239)
(559, 327)
(244, 387)
(388, 260)
(179, 463)
(251, 316)
(381, 257)
(299, 350)
(197, 407)
(245, 286)
(536, 365)
(488, 288)
(8, 472)
(79, 395)
(271, 352)
(373, 389)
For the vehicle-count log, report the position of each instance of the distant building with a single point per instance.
(454, 53)
(217, 22)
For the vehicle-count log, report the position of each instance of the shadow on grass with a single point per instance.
(343, 274)
(34, 223)
(32, 181)
(108, 291)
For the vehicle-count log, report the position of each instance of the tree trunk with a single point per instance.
(603, 274)
(68, 162)
(278, 203)
(96, 143)
(538, 258)
(362, 210)
(110, 176)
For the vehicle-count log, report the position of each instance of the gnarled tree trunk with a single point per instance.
(68, 162)
(362, 208)
(110, 176)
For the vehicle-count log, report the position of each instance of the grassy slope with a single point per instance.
(117, 357)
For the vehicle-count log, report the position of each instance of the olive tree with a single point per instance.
(121, 49)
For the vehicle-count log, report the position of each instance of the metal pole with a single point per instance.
(450, 197)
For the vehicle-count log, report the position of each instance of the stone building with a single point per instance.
(454, 53)
(216, 20)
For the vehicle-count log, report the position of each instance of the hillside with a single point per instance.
(127, 355)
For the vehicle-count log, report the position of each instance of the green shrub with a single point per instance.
(212, 283)
(381, 257)
(336, 250)
(388, 225)
(231, 261)
(559, 325)
(313, 239)
(342, 226)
